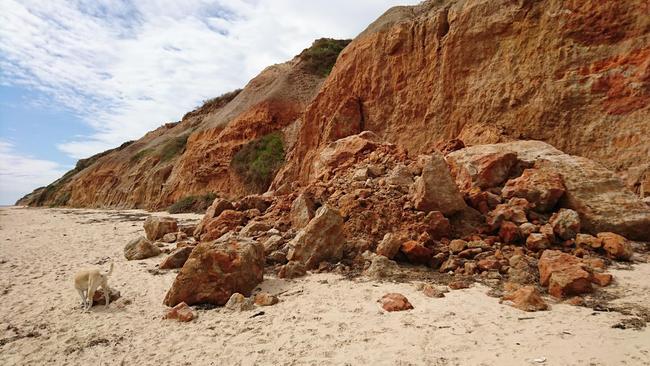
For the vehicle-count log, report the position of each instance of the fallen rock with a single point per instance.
(381, 267)
(140, 248)
(522, 270)
(432, 291)
(435, 189)
(253, 202)
(342, 150)
(292, 270)
(395, 302)
(537, 242)
(215, 270)
(156, 227)
(181, 312)
(177, 258)
(99, 299)
(389, 246)
(565, 223)
(437, 225)
(509, 232)
(321, 240)
(474, 167)
(188, 229)
(302, 211)
(239, 302)
(416, 252)
(265, 299)
(602, 279)
(457, 245)
(253, 228)
(227, 221)
(169, 237)
(218, 206)
(273, 243)
(564, 274)
(589, 241)
(541, 187)
(616, 246)
(526, 298)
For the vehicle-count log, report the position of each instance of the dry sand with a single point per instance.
(322, 319)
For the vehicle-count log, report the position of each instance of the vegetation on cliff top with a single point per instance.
(319, 59)
(175, 146)
(259, 160)
(197, 204)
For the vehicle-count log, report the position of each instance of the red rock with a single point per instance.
(602, 279)
(140, 248)
(450, 265)
(564, 274)
(575, 301)
(253, 202)
(265, 299)
(156, 227)
(616, 246)
(522, 269)
(321, 240)
(459, 284)
(218, 206)
(526, 298)
(416, 252)
(215, 270)
(177, 258)
(100, 299)
(437, 225)
(488, 264)
(509, 232)
(303, 210)
(541, 187)
(431, 291)
(470, 252)
(537, 242)
(481, 170)
(456, 246)
(506, 212)
(292, 270)
(389, 246)
(565, 223)
(181, 312)
(589, 241)
(227, 221)
(395, 302)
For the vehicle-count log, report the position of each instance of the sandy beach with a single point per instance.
(322, 319)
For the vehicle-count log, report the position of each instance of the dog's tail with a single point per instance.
(110, 271)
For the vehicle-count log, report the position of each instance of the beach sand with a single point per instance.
(322, 319)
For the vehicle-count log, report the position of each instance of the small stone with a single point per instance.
(381, 267)
(395, 302)
(389, 246)
(177, 258)
(526, 298)
(140, 248)
(537, 242)
(181, 312)
(527, 228)
(239, 302)
(416, 252)
(509, 232)
(456, 246)
(459, 284)
(565, 223)
(432, 291)
(265, 299)
(602, 279)
(292, 269)
(588, 241)
(169, 237)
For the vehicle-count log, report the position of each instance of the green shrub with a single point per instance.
(319, 59)
(173, 147)
(197, 204)
(140, 154)
(259, 160)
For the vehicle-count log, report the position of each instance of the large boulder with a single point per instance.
(343, 150)
(216, 270)
(140, 248)
(156, 227)
(302, 211)
(321, 240)
(476, 168)
(597, 194)
(435, 189)
(541, 187)
(227, 221)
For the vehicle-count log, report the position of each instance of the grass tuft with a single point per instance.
(319, 59)
(197, 204)
(259, 160)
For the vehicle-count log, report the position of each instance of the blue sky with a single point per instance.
(79, 77)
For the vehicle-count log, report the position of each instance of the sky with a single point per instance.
(80, 77)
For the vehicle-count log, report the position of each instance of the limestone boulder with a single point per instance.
(215, 270)
(140, 248)
(156, 227)
(565, 223)
(435, 189)
(218, 206)
(564, 274)
(302, 211)
(481, 169)
(321, 240)
(177, 258)
(227, 221)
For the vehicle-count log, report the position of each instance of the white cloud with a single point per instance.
(20, 174)
(127, 67)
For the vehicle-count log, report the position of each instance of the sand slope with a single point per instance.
(321, 319)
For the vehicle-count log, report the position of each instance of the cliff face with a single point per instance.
(575, 74)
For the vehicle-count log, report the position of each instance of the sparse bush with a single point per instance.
(173, 147)
(197, 204)
(319, 59)
(259, 160)
(140, 154)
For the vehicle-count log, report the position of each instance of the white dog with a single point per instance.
(87, 281)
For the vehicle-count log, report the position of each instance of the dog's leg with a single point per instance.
(83, 298)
